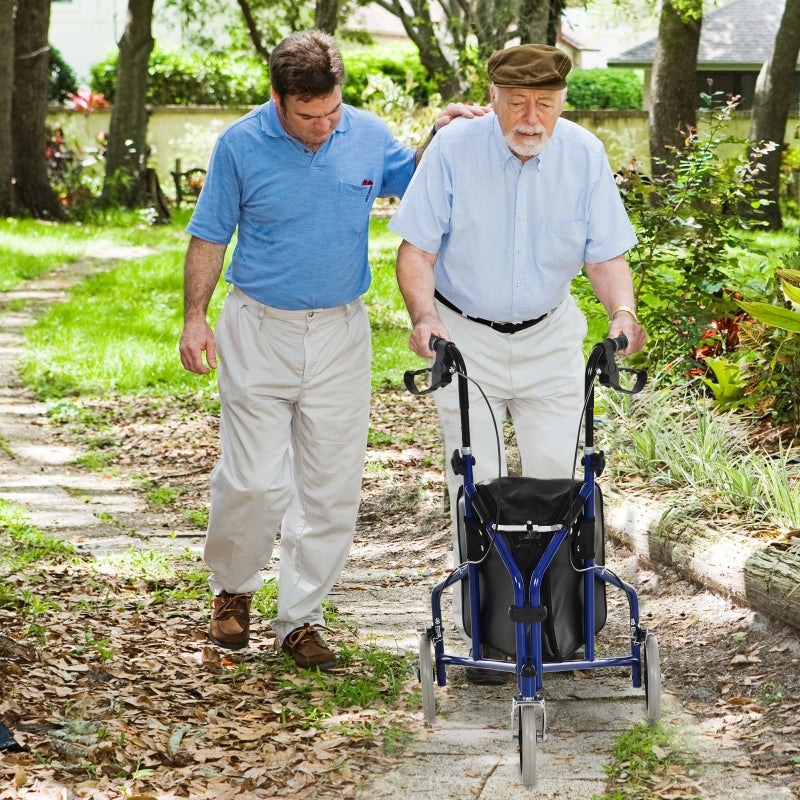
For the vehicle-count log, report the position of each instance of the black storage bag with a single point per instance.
(542, 502)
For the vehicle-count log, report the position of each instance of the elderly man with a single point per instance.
(499, 218)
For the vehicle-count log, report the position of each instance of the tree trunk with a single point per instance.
(126, 156)
(326, 15)
(253, 31)
(419, 27)
(673, 109)
(29, 111)
(7, 206)
(534, 22)
(773, 100)
(761, 575)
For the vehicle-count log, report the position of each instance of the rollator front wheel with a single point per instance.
(527, 744)
(652, 679)
(426, 677)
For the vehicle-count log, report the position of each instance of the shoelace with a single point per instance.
(297, 636)
(233, 600)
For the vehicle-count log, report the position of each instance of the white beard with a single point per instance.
(523, 149)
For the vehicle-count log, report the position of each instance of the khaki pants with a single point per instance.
(295, 391)
(536, 377)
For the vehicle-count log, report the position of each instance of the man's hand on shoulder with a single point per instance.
(453, 110)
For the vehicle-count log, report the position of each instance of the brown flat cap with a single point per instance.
(530, 66)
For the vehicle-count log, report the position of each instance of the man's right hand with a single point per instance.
(198, 338)
(420, 338)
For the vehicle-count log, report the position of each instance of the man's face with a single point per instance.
(527, 117)
(310, 121)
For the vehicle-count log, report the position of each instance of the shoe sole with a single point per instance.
(226, 645)
(487, 677)
(324, 667)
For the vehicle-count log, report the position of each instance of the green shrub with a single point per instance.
(400, 64)
(185, 79)
(62, 78)
(605, 88)
(689, 225)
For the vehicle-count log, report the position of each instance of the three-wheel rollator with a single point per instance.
(533, 578)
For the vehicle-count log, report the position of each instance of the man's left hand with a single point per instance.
(453, 110)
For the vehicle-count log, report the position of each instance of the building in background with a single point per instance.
(735, 41)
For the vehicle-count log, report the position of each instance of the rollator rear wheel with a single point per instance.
(652, 679)
(527, 744)
(426, 677)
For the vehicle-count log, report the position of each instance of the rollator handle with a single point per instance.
(441, 371)
(605, 366)
(620, 343)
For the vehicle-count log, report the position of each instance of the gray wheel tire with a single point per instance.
(652, 679)
(426, 677)
(527, 745)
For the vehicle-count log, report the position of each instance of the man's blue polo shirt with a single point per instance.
(510, 237)
(303, 218)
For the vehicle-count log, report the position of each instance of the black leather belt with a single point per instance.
(500, 327)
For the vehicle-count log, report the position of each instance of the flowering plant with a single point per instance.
(85, 101)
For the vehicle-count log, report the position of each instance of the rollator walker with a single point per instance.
(533, 578)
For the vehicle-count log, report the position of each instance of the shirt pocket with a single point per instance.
(355, 204)
(561, 244)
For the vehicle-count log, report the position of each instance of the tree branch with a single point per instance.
(252, 29)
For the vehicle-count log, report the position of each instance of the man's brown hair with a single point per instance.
(306, 65)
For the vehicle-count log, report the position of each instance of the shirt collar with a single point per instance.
(503, 152)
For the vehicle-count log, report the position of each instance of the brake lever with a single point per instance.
(609, 370)
(441, 371)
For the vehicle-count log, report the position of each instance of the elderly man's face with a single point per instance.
(527, 117)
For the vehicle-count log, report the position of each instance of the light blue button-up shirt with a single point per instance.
(302, 218)
(511, 236)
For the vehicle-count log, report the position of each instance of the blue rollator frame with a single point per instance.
(529, 612)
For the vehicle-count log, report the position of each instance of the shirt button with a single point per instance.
(520, 251)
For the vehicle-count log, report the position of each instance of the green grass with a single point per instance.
(642, 757)
(119, 330)
(679, 442)
(29, 248)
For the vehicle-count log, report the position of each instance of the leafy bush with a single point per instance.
(688, 225)
(185, 79)
(63, 80)
(399, 64)
(605, 88)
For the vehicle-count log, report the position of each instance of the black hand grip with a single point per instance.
(620, 343)
(441, 372)
(437, 344)
(603, 363)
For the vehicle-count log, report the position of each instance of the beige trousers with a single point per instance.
(536, 377)
(295, 391)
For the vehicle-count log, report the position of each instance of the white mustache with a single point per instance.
(529, 130)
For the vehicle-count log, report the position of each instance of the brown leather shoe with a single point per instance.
(308, 649)
(230, 620)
